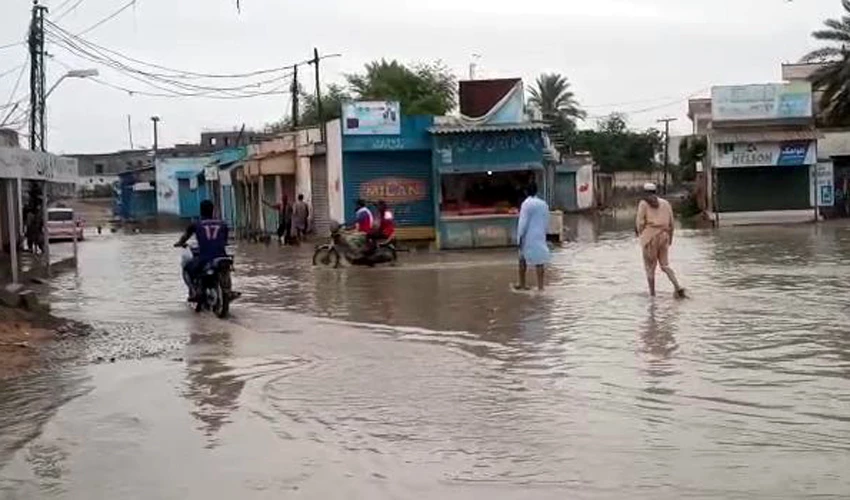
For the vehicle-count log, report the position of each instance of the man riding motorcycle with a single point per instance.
(211, 235)
(384, 231)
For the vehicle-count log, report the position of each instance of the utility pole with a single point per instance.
(37, 96)
(666, 122)
(294, 92)
(130, 131)
(319, 110)
(155, 120)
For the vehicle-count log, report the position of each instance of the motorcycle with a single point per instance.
(212, 286)
(351, 246)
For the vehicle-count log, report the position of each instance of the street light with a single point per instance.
(74, 73)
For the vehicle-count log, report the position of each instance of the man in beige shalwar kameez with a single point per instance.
(654, 227)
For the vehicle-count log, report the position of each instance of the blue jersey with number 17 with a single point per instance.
(212, 238)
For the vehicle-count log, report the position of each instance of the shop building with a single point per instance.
(762, 165)
(386, 156)
(483, 162)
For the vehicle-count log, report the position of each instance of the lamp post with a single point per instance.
(74, 73)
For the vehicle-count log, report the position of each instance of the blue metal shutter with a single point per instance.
(362, 168)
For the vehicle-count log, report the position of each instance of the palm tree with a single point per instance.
(558, 107)
(552, 96)
(833, 76)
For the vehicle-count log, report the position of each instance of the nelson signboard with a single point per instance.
(766, 154)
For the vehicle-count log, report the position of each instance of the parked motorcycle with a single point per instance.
(213, 289)
(352, 246)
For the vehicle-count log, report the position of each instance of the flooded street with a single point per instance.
(434, 380)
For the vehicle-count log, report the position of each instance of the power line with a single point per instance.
(177, 73)
(108, 18)
(15, 89)
(11, 70)
(72, 8)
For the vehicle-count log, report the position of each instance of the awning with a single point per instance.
(764, 136)
(473, 169)
(472, 129)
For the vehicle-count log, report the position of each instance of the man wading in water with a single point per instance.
(654, 227)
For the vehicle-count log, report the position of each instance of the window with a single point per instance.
(98, 168)
(213, 141)
(60, 215)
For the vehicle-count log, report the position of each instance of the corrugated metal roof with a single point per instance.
(500, 127)
(764, 136)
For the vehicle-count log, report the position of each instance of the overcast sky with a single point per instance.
(621, 55)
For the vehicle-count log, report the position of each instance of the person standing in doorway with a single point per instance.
(531, 236)
(654, 227)
(300, 219)
(284, 219)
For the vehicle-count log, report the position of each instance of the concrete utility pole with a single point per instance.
(319, 111)
(666, 122)
(155, 120)
(294, 92)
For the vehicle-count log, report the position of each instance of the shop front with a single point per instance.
(753, 177)
(481, 173)
(394, 166)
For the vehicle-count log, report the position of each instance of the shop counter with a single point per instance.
(488, 231)
(478, 231)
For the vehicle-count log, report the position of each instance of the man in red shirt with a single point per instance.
(386, 223)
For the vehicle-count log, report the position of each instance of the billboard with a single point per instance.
(371, 118)
(773, 101)
(765, 154)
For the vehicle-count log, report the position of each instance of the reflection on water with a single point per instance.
(434, 379)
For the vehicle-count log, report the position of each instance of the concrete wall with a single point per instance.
(636, 179)
(112, 163)
(167, 187)
(336, 196)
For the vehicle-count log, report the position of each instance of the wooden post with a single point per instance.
(13, 230)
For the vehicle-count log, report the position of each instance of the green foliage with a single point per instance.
(422, 89)
(333, 98)
(691, 150)
(833, 77)
(558, 107)
(615, 148)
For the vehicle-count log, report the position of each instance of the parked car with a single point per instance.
(62, 223)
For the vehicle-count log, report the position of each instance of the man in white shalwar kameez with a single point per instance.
(531, 235)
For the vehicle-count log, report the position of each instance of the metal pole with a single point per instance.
(295, 96)
(13, 230)
(45, 232)
(319, 110)
(666, 122)
(155, 120)
(130, 131)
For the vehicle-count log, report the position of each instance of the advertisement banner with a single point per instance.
(825, 184)
(371, 118)
(774, 101)
(765, 154)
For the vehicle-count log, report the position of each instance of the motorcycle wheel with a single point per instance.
(221, 307)
(326, 256)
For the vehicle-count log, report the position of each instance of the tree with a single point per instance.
(333, 97)
(833, 77)
(616, 148)
(691, 150)
(558, 107)
(427, 89)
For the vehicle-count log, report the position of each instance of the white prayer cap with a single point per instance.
(650, 187)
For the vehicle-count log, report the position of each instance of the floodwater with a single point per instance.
(434, 380)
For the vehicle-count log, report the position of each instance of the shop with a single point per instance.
(760, 176)
(763, 155)
(388, 158)
(269, 175)
(481, 172)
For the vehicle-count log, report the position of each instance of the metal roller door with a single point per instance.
(319, 196)
(403, 179)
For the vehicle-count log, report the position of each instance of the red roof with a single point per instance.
(477, 97)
